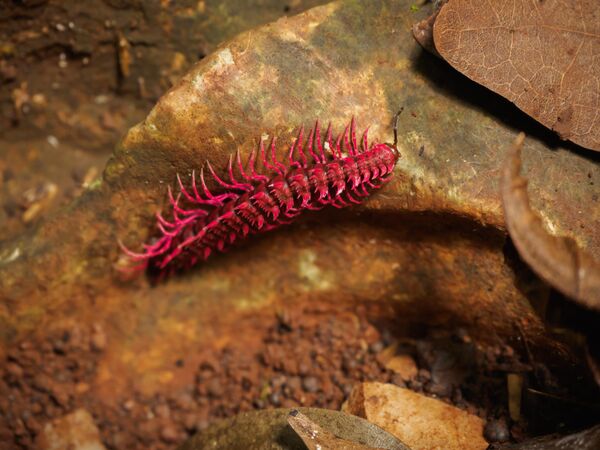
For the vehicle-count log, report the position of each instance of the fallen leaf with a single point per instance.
(558, 260)
(316, 438)
(421, 422)
(585, 440)
(257, 430)
(542, 56)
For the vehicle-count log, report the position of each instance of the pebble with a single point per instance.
(169, 434)
(185, 401)
(293, 383)
(275, 399)
(98, 339)
(310, 384)
(377, 347)
(496, 431)
(214, 388)
(14, 369)
(128, 405)
(61, 396)
(163, 411)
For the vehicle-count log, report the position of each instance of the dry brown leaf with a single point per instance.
(584, 440)
(558, 260)
(541, 55)
(316, 438)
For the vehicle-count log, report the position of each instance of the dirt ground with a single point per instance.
(302, 357)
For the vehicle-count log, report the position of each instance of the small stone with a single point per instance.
(349, 364)
(310, 384)
(214, 388)
(18, 427)
(163, 411)
(36, 408)
(82, 388)
(275, 399)
(398, 380)
(496, 431)
(61, 397)
(32, 425)
(185, 401)
(98, 339)
(403, 365)
(190, 422)
(42, 382)
(293, 383)
(440, 389)
(424, 375)
(128, 405)
(376, 347)
(15, 370)
(74, 431)
(278, 381)
(169, 434)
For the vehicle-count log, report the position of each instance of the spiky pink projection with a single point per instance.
(341, 173)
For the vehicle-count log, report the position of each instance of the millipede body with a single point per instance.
(336, 172)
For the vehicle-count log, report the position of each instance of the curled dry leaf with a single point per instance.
(584, 440)
(423, 30)
(542, 56)
(316, 438)
(297, 429)
(558, 260)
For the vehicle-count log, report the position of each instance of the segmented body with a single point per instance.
(340, 174)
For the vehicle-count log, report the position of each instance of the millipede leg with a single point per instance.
(242, 186)
(300, 147)
(318, 143)
(347, 145)
(253, 174)
(353, 136)
(365, 142)
(338, 150)
(281, 168)
(311, 142)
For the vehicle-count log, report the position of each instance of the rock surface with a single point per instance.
(423, 423)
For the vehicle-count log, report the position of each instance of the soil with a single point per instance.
(306, 357)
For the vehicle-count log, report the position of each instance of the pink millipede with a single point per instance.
(341, 173)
